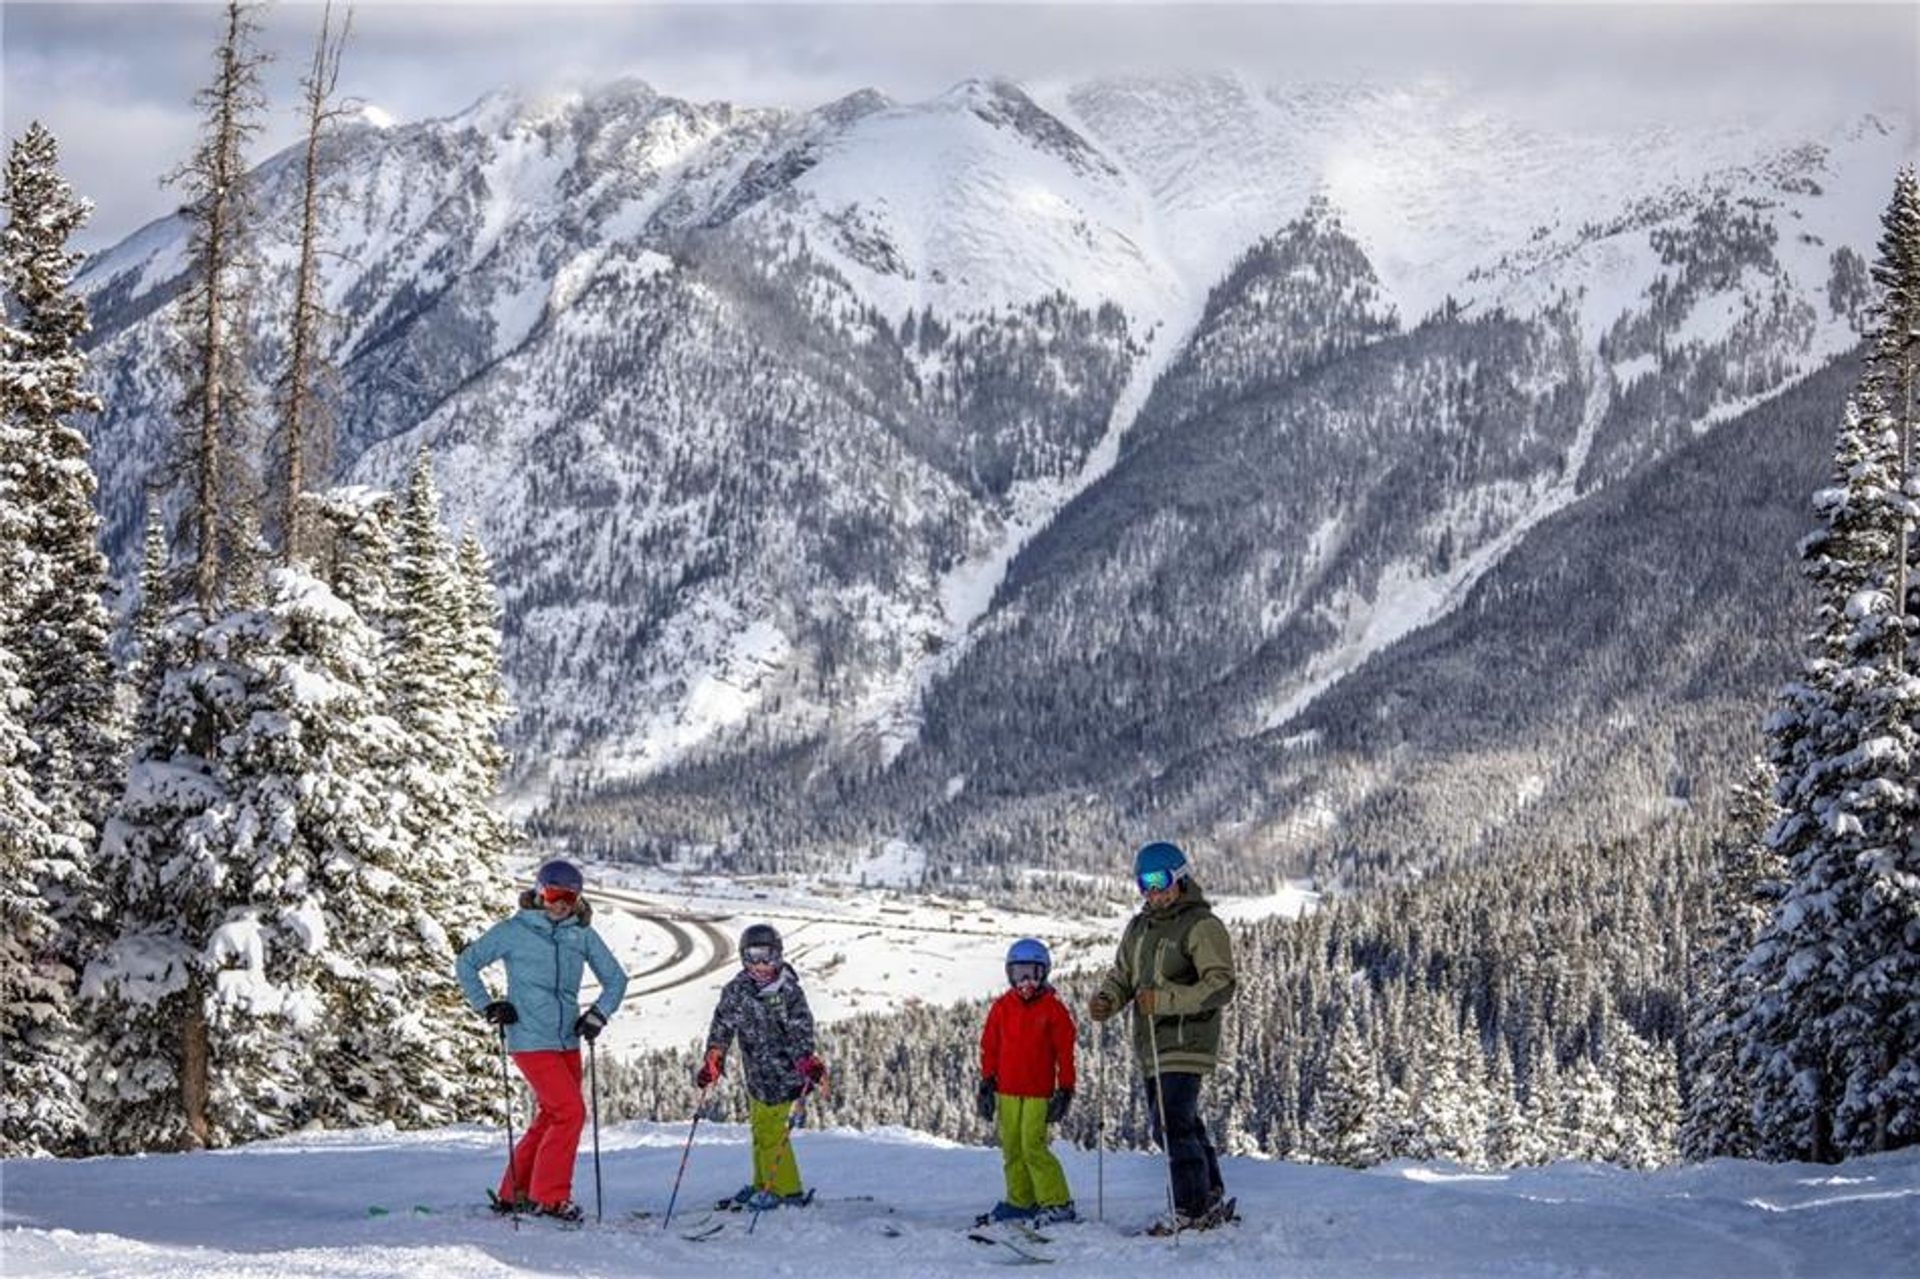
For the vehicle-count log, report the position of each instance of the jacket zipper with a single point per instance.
(559, 1007)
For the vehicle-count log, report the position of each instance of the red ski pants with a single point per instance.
(543, 1161)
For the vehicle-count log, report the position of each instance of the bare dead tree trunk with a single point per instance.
(305, 422)
(215, 179)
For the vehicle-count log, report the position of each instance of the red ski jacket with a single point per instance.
(1028, 1046)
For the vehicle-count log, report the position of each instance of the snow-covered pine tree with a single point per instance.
(40, 1109)
(1543, 1131)
(1449, 1105)
(189, 979)
(1879, 1027)
(1343, 1124)
(326, 773)
(1587, 1110)
(1503, 1137)
(484, 710)
(147, 628)
(1717, 1119)
(1832, 1033)
(1646, 1090)
(62, 646)
(53, 641)
(444, 686)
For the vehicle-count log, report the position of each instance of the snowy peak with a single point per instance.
(1005, 105)
(744, 401)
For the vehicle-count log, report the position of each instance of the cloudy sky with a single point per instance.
(115, 81)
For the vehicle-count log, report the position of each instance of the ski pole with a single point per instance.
(593, 1080)
(1100, 1122)
(796, 1114)
(1160, 1100)
(700, 1104)
(513, 1183)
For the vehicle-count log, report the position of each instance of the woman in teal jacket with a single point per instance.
(544, 946)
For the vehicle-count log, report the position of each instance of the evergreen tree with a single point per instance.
(1718, 1116)
(1879, 1107)
(1503, 1139)
(53, 640)
(325, 780)
(148, 626)
(1646, 1089)
(446, 693)
(40, 1110)
(1544, 1134)
(63, 644)
(1832, 1030)
(1343, 1125)
(187, 966)
(484, 708)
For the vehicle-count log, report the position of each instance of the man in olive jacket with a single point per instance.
(1175, 965)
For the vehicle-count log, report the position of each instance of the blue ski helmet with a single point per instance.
(559, 873)
(1159, 865)
(1023, 957)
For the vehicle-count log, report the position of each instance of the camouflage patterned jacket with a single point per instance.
(775, 1030)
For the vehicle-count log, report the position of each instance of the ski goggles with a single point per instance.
(1022, 971)
(760, 955)
(553, 895)
(1158, 881)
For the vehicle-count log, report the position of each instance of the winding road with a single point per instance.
(699, 948)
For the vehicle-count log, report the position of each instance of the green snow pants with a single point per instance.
(1034, 1176)
(773, 1165)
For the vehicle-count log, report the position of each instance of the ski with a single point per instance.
(1023, 1251)
(700, 1234)
(381, 1210)
(1025, 1229)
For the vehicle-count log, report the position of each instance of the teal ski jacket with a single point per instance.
(543, 961)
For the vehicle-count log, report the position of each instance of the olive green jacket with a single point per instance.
(1183, 954)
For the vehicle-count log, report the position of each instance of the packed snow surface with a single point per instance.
(896, 1203)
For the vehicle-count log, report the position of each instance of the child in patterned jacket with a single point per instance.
(764, 1009)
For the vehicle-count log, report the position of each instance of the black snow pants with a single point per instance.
(1183, 1135)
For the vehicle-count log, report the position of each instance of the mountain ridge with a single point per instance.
(769, 415)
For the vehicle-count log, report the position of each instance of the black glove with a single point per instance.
(1058, 1103)
(588, 1024)
(989, 1102)
(500, 1013)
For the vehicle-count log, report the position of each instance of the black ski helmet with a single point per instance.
(761, 935)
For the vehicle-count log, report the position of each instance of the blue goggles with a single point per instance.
(1157, 881)
(760, 955)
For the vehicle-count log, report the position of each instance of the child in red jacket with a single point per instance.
(1026, 1083)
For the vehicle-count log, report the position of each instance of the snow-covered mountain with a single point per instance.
(377, 1202)
(941, 449)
